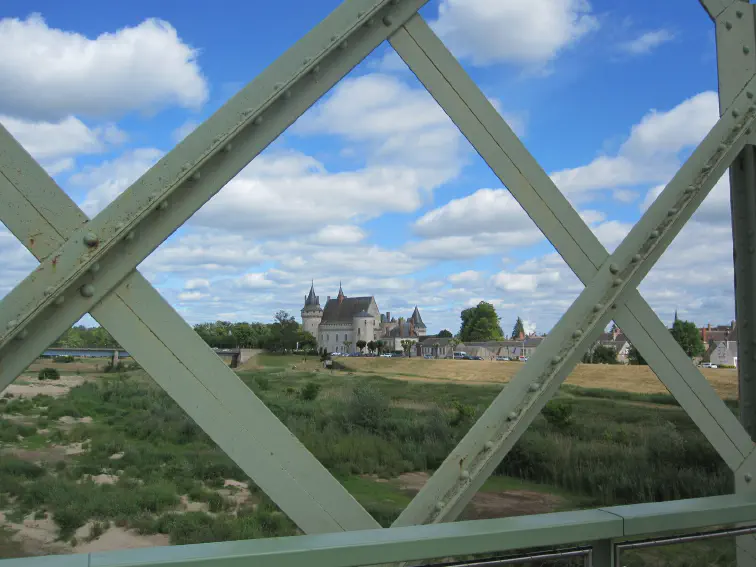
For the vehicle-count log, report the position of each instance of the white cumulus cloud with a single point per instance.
(48, 73)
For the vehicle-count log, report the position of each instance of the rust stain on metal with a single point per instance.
(55, 262)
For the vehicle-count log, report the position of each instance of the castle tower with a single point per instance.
(363, 325)
(417, 323)
(312, 312)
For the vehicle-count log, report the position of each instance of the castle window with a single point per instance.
(328, 337)
(358, 331)
(337, 338)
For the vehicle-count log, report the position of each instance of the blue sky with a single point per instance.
(374, 186)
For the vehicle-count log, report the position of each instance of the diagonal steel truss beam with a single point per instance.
(457, 480)
(41, 215)
(165, 197)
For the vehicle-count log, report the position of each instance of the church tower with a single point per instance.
(311, 312)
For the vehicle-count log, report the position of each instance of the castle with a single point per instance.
(345, 320)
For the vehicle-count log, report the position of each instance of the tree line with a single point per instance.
(481, 324)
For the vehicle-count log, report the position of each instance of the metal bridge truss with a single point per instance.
(89, 266)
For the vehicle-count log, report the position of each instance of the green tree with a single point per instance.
(480, 323)
(445, 334)
(372, 346)
(407, 346)
(454, 343)
(361, 344)
(688, 337)
(601, 354)
(518, 329)
(347, 346)
(635, 357)
(436, 346)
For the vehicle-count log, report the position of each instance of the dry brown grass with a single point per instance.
(639, 379)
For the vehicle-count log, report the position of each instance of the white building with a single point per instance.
(345, 320)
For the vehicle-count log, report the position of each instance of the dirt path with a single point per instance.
(27, 386)
(488, 505)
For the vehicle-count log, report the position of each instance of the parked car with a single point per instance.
(708, 365)
(502, 358)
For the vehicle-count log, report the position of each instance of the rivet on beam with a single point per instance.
(464, 475)
(343, 45)
(672, 212)
(577, 333)
(87, 290)
(535, 386)
(614, 268)
(512, 416)
(227, 148)
(617, 282)
(749, 94)
(12, 324)
(90, 239)
(598, 307)
(386, 21)
(488, 445)
(130, 236)
(689, 189)
(748, 477)
(95, 268)
(746, 49)
(22, 335)
(735, 114)
(163, 205)
(440, 505)
(739, 13)
(556, 360)
(49, 290)
(59, 300)
(259, 119)
(654, 234)
(196, 176)
(728, 25)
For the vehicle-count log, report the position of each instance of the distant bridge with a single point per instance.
(236, 355)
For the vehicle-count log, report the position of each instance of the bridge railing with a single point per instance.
(598, 534)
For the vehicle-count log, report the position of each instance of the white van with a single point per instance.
(708, 365)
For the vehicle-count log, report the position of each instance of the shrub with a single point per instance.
(462, 413)
(262, 382)
(48, 374)
(310, 391)
(558, 413)
(368, 408)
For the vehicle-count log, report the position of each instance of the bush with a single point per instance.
(48, 374)
(262, 382)
(368, 408)
(558, 413)
(310, 391)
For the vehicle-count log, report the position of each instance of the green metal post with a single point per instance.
(736, 61)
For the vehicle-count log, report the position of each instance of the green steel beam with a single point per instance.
(182, 363)
(736, 60)
(414, 543)
(715, 7)
(451, 487)
(158, 203)
(483, 126)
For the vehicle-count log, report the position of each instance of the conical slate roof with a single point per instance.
(312, 301)
(417, 319)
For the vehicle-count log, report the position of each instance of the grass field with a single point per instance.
(637, 379)
(109, 461)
